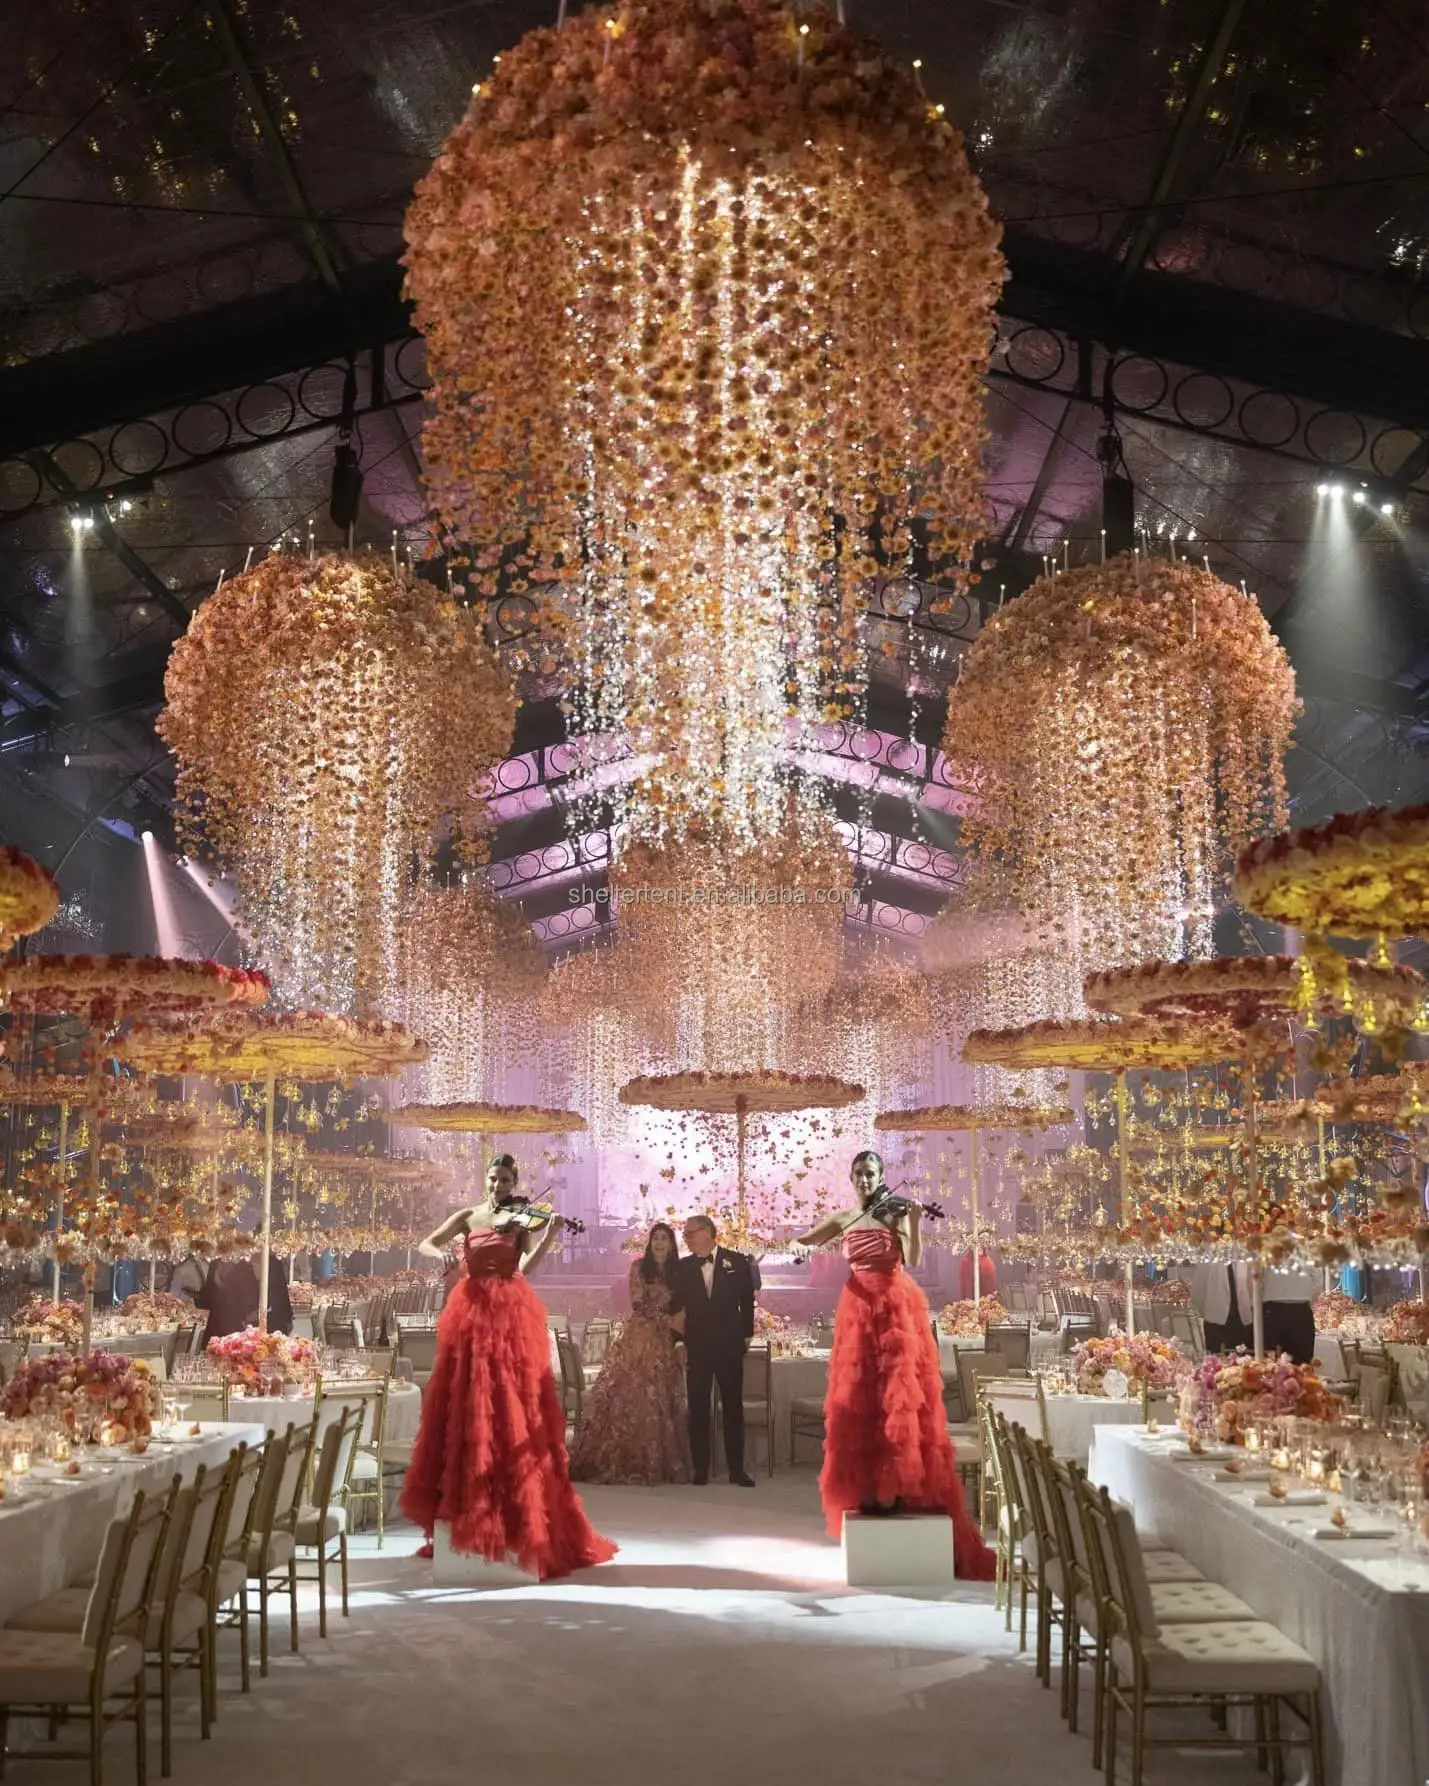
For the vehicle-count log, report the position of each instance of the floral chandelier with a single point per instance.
(873, 1026)
(610, 1025)
(469, 973)
(734, 938)
(330, 717)
(707, 295)
(1128, 724)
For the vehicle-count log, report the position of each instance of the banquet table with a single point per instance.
(1071, 1419)
(1358, 1607)
(53, 1533)
(1043, 1349)
(274, 1412)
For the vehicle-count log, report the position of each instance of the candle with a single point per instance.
(1280, 1458)
(1252, 1438)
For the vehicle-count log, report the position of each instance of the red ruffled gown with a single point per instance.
(490, 1457)
(885, 1428)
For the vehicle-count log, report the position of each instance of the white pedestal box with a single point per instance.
(451, 1569)
(905, 1550)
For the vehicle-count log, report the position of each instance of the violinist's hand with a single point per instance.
(800, 1253)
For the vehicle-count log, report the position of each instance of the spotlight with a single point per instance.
(81, 520)
(146, 836)
(1337, 489)
(66, 759)
(1322, 489)
(1359, 496)
(1386, 508)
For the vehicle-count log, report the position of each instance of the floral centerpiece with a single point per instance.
(253, 1360)
(62, 1323)
(1171, 1292)
(86, 1392)
(1229, 1393)
(1146, 1361)
(1333, 1309)
(149, 1310)
(966, 1320)
(1407, 1324)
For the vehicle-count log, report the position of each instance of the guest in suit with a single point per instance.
(230, 1294)
(1214, 1298)
(714, 1291)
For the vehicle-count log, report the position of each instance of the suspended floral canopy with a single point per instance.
(606, 1028)
(488, 1119)
(1245, 990)
(730, 939)
(707, 293)
(29, 897)
(106, 989)
(1363, 874)
(1127, 725)
(468, 975)
(330, 718)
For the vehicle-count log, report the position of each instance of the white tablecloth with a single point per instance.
(1360, 1610)
(795, 1377)
(273, 1413)
(1044, 1348)
(1071, 1419)
(48, 1538)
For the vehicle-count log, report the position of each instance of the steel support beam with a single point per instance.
(1192, 323)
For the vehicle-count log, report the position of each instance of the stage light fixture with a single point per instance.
(1360, 496)
(1386, 508)
(146, 836)
(1322, 489)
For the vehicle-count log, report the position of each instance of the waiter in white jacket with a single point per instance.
(1223, 1296)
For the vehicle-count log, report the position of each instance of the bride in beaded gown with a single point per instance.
(635, 1429)
(490, 1458)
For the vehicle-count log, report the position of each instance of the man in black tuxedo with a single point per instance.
(715, 1293)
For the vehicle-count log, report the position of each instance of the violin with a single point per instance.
(536, 1215)
(894, 1203)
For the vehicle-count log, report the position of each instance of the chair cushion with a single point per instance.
(1029, 1548)
(398, 1457)
(1224, 1656)
(190, 1617)
(232, 1575)
(1168, 1565)
(364, 1467)
(1196, 1603)
(756, 1407)
(334, 1522)
(63, 1611)
(55, 1668)
(810, 1407)
(280, 1551)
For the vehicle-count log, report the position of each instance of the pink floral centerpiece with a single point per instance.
(1146, 1360)
(1407, 1324)
(967, 1320)
(256, 1361)
(1228, 1394)
(149, 1310)
(102, 1389)
(62, 1323)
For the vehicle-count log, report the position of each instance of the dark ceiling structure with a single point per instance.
(1217, 222)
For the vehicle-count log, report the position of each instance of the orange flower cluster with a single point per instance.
(1127, 725)
(732, 938)
(329, 716)
(873, 1026)
(29, 897)
(696, 279)
(1362, 874)
(468, 973)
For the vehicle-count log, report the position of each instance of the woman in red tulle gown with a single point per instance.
(490, 1458)
(886, 1444)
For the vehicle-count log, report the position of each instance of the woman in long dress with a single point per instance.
(886, 1444)
(636, 1429)
(490, 1458)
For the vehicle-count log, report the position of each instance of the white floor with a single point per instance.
(720, 1646)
